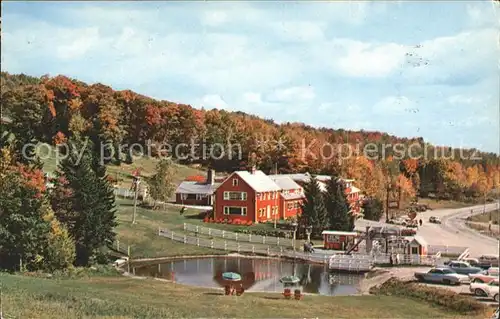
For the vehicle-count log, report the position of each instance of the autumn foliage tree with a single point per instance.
(52, 109)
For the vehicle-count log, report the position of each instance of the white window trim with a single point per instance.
(242, 208)
(235, 182)
(243, 196)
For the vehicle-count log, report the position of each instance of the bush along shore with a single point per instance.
(450, 300)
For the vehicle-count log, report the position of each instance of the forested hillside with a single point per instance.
(51, 109)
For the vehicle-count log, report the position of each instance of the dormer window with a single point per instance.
(235, 182)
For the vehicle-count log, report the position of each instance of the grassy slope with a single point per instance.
(122, 172)
(143, 236)
(485, 217)
(442, 204)
(119, 297)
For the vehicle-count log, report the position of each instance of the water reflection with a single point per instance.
(257, 274)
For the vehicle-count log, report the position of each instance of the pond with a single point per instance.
(258, 274)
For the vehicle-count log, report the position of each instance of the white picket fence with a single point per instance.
(239, 237)
(350, 263)
(446, 250)
(239, 247)
(125, 193)
(364, 262)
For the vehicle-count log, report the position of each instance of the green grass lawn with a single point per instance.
(485, 217)
(442, 204)
(143, 236)
(121, 297)
(122, 172)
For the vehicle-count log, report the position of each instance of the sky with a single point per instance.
(407, 68)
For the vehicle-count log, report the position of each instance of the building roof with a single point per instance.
(419, 240)
(285, 182)
(259, 181)
(188, 187)
(299, 177)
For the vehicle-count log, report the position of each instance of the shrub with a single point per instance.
(437, 296)
(60, 249)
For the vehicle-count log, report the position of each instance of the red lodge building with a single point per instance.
(256, 197)
(353, 193)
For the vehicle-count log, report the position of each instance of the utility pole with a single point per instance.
(387, 204)
(136, 188)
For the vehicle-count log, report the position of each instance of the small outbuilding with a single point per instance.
(417, 246)
(339, 240)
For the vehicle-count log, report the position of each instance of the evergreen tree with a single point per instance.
(337, 206)
(89, 213)
(373, 209)
(313, 208)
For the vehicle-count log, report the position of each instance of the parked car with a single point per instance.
(485, 276)
(441, 275)
(464, 268)
(492, 290)
(434, 220)
(486, 261)
(472, 261)
(483, 289)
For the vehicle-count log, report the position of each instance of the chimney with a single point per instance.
(252, 170)
(211, 177)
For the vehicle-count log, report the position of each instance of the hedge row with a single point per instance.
(437, 296)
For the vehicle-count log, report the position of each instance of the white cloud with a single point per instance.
(80, 45)
(214, 18)
(451, 58)
(483, 14)
(210, 101)
(252, 98)
(460, 99)
(300, 30)
(394, 105)
(292, 94)
(370, 60)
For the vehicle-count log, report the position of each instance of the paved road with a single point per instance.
(454, 232)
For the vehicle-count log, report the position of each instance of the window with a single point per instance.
(290, 206)
(228, 210)
(414, 251)
(235, 195)
(235, 182)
